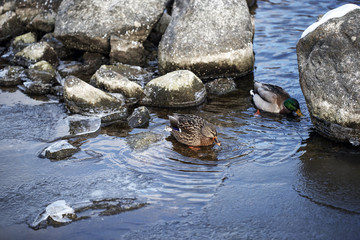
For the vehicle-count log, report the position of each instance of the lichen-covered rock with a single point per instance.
(36, 52)
(220, 86)
(176, 89)
(11, 76)
(329, 60)
(24, 40)
(80, 97)
(115, 82)
(139, 118)
(88, 25)
(59, 150)
(212, 38)
(10, 26)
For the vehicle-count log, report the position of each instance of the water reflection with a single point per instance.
(328, 174)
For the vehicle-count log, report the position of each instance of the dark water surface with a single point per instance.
(272, 178)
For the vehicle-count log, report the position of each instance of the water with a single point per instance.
(273, 176)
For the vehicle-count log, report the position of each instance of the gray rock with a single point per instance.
(59, 150)
(139, 118)
(176, 89)
(44, 22)
(80, 97)
(329, 60)
(11, 76)
(10, 26)
(36, 52)
(88, 25)
(127, 51)
(117, 83)
(60, 49)
(220, 86)
(212, 38)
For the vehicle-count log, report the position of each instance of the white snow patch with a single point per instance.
(335, 13)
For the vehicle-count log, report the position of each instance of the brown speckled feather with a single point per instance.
(192, 130)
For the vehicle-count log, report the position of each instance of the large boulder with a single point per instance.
(329, 59)
(212, 38)
(180, 88)
(89, 25)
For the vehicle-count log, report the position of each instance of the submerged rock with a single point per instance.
(139, 118)
(142, 141)
(176, 89)
(117, 83)
(211, 38)
(220, 86)
(80, 97)
(89, 25)
(36, 52)
(11, 76)
(59, 150)
(329, 58)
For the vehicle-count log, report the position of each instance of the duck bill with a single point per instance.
(217, 142)
(299, 113)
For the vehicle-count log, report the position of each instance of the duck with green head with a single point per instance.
(274, 99)
(193, 130)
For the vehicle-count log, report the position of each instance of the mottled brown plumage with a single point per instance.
(193, 130)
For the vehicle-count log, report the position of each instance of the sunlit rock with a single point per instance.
(211, 38)
(22, 41)
(59, 150)
(117, 83)
(11, 76)
(41, 77)
(176, 89)
(10, 26)
(139, 118)
(80, 97)
(36, 52)
(89, 25)
(329, 60)
(58, 212)
(220, 86)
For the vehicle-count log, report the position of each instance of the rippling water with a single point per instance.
(258, 152)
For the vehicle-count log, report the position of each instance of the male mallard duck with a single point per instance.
(274, 99)
(193, 130)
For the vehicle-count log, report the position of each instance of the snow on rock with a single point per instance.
(335, 13)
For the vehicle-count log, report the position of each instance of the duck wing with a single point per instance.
(270, 93)
(186, 122)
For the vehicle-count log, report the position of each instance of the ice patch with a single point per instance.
(335, 13)
(58, 211)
